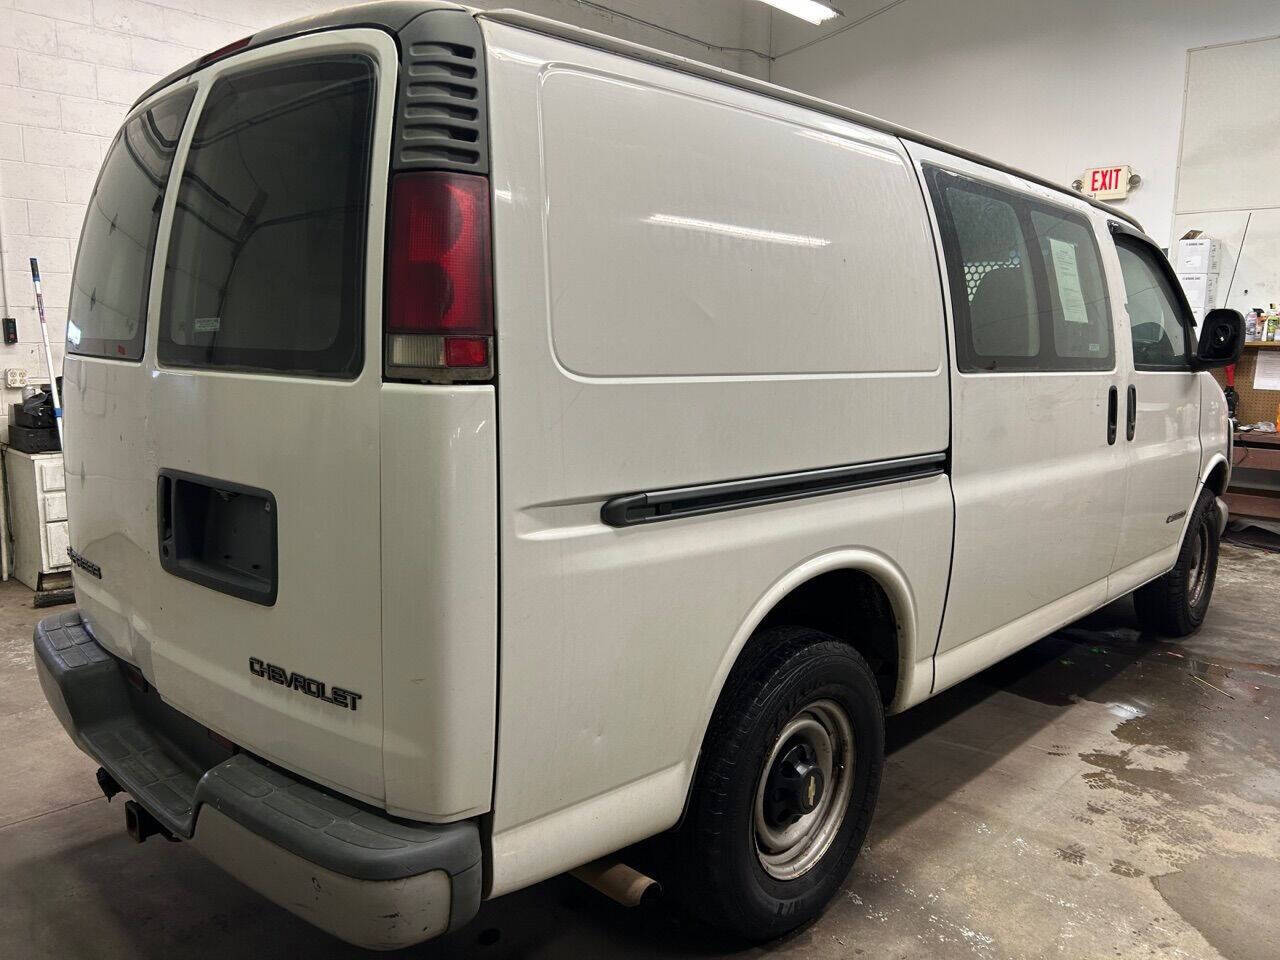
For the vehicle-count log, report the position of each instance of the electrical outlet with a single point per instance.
(15, 377)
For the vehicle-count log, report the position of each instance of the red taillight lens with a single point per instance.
(466, 351)
(441, 279)
(439, 274)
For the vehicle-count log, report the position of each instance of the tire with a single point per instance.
(796, 678)
(1175, 604)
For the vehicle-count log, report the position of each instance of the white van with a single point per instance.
(491, 444)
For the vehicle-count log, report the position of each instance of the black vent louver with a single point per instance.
(441, 121)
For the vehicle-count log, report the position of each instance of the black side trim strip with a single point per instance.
(635, 508)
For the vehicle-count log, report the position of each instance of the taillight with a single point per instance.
(439, 322)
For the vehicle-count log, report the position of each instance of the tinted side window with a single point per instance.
(107, 314)
(1077, 293)
(1156, 322)
(999, 290)
(265, 269)
(1026, 280)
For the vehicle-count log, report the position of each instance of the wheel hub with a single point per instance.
(804, 789)
(794, 787)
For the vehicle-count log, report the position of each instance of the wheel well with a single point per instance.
(1217, 480)
(850, 605)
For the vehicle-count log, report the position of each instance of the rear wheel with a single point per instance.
(786, 786)
(1175, 604)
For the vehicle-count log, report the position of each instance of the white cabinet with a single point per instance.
(37, 489)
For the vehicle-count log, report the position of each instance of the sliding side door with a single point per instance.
(1037, 473)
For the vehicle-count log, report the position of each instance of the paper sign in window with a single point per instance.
(1067, 272)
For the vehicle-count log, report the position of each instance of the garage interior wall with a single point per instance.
(1234, 195)
(1048, 86)
(69, 69)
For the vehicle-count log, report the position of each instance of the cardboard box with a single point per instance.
(1202, 292)
(1198, 255)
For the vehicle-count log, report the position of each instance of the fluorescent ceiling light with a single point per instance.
(810, 10)
(733, 230)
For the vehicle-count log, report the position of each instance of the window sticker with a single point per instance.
(1067, 273)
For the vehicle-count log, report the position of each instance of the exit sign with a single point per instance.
(1106, 183)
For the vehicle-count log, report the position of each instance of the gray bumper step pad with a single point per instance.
(88, 691)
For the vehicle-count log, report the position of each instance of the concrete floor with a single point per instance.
(1098, 795)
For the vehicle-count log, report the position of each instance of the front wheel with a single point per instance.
(1175, 604)
(786, 786)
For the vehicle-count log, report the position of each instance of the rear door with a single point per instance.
(225, 479)
(1162, 413)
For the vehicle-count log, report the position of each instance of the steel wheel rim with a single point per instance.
(1197, 575)
(789, 851)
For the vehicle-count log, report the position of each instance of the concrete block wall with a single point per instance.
(69, 69)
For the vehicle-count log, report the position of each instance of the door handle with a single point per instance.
(1113, 404)
(1131, 413)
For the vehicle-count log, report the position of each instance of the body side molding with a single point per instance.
(673, 502)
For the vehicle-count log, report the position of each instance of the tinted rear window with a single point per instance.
(265, 269)
(108, 308)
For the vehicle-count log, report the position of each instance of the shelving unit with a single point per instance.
(1255, 405)
(1253, 491)
(38, 509)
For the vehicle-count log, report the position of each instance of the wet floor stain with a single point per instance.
(1136, 830)
(1072, 853)
(1117, 772)
(1122, 868)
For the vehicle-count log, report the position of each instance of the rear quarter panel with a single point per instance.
(694, 284)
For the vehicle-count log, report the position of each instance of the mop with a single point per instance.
(57, 595)
(48, 354)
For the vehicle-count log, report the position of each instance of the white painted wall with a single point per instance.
(69, 69)
(1048, 85)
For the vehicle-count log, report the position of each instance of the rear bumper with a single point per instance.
(370, 879)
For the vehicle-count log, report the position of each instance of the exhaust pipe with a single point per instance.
(140, 824)
(619, 882)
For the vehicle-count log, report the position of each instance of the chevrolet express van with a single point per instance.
(490, 444)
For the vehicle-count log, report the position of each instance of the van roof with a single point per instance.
(394, 15)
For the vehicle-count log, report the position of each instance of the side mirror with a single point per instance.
(1221, 339)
